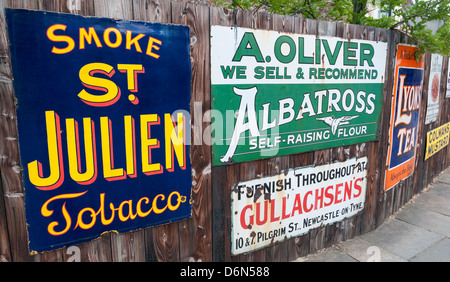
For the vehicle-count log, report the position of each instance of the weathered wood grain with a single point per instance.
(207, 235)
(196, 240)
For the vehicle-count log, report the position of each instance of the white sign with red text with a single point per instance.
(272, 209)
(434, 85)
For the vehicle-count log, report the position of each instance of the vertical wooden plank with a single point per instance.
(374, 148)
(384, 209)
(10, 168)
(299, 246)
(5, 252)
(165, 242)
(426, 128)
(261, 20)
(234, 174)
(15, 217)
(9, 152)
(152, 10)
(100, 249)
(5, 97)
(221, 223)
(280, 251)
(196, 238)
(96, 250)
(375, 166)
(317, 236)
(116, 9)
(442, 117)
(225, 177)
(371, 150)
(402, 192)
(283, 23)
(67, 6)
(417, 177)
(277, 252)
(336, 232)
(126, 246)
(161, 242)
(56, 255)
(5, 64)
(445, 117)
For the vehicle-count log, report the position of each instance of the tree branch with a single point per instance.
(416, 15)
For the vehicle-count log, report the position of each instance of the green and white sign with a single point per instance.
(277, 93)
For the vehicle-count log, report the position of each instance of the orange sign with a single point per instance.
(404, 116)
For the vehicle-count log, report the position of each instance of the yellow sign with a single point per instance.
(437, 139)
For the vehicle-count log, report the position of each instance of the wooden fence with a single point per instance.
(207, 235)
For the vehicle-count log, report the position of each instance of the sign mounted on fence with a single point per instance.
(448, 81)
(404, 123)
(434, 85)
(437, 139)
(278, 93)
(276, 208)
(103, 114)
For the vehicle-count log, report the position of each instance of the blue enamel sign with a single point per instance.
(103, 120)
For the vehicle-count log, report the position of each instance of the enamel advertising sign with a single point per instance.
(404, 116)
(448, 81)
(434, 88)
(437, 139)
(273, 209)
(103, 111)
(277, 93)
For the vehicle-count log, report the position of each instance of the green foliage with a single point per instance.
(305, 8)
(411, 19)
